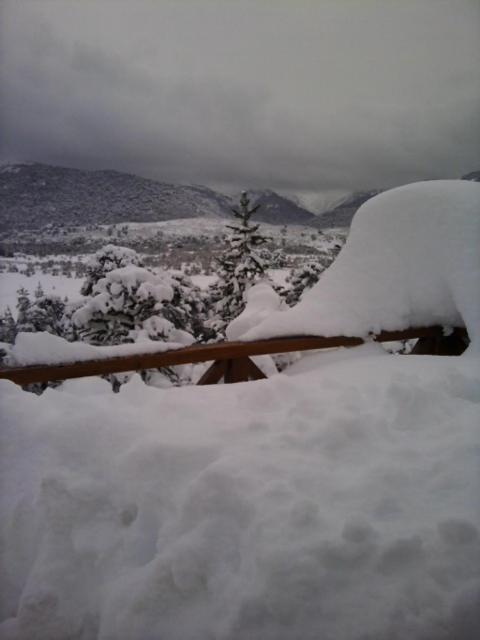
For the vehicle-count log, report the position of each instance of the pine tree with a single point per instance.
(241, 265)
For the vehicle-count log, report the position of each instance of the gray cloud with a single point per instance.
(304, 97)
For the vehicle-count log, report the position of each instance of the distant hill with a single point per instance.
(34, 195)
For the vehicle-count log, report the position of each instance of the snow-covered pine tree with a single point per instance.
(8, 329)
(24, 321)
(302, 278)
(242, 264)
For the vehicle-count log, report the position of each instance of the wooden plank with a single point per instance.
(214, 373)
(202, 353)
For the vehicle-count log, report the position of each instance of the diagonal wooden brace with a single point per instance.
(232, 370)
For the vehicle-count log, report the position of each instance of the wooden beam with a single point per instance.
(203, 353)
(254, 372)
(214, 373)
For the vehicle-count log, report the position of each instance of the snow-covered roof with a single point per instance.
(412, 259)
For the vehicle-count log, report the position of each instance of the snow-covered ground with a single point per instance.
(339, 501)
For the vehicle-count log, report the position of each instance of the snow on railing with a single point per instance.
(231, 360)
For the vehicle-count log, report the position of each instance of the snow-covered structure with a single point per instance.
(412, 259)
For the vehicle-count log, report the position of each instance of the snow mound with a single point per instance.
(339, 503)
(412, 259)
(261, 301)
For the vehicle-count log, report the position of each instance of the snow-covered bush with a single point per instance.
(108, 259)
(243, 263)
(46, 312)
(133, 304)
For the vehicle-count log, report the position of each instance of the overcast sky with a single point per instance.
(300, 96)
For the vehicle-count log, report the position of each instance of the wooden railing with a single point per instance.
(231, 360)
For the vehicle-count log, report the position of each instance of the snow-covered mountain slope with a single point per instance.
(341, 215)
(277, 209)
(35, 195)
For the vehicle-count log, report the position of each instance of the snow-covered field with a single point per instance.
(335, 501)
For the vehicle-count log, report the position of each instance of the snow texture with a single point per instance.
(339, 502)
(412, 259)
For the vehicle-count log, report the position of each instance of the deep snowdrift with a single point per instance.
(339, 502)
(412, 259)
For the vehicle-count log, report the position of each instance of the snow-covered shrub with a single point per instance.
(46, 312)
(243, 263)
(108, 259)
(133, 304)
(187, 308)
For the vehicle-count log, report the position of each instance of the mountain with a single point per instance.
(276, 209)
(341, 215)
(35, 195)
(474, 176)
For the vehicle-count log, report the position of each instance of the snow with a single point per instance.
(58, 285)
(340, 501)
(45, 348)
(261, 300)
(411, 259)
